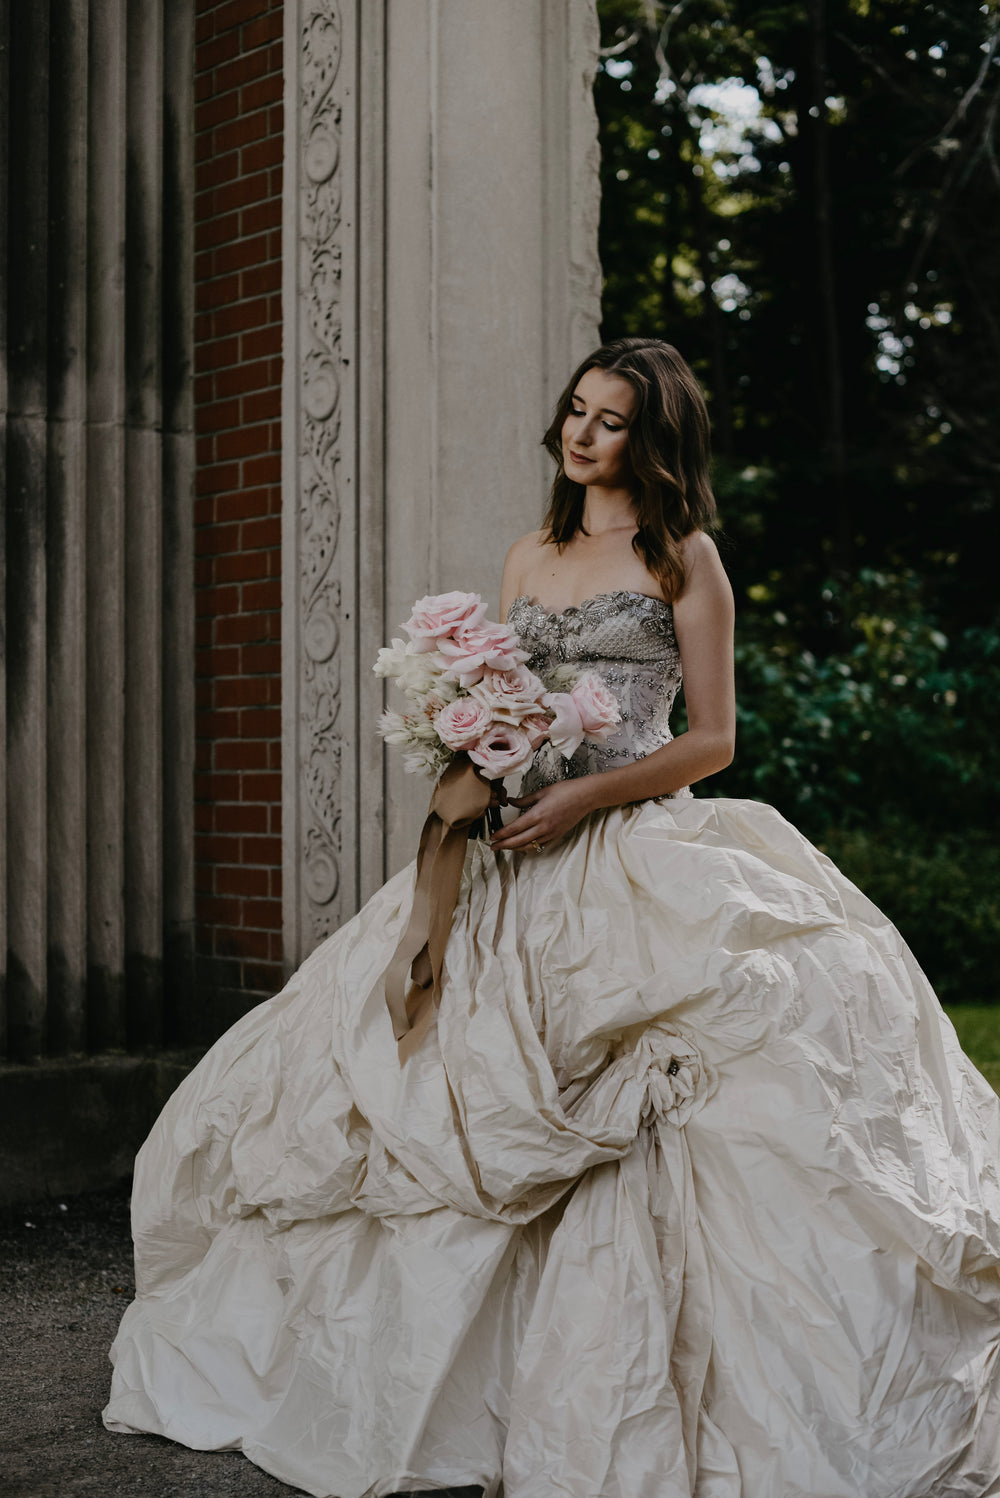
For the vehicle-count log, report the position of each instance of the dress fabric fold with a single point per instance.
(688, 1192)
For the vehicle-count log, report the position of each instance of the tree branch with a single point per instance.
(961, 109)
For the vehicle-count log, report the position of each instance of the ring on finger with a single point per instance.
(536, 845)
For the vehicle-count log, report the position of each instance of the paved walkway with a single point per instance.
(65, 1278)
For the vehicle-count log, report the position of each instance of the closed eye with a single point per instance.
(609, 426)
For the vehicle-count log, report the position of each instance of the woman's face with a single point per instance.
(595, 431)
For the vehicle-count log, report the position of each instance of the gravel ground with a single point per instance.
(65, 1279)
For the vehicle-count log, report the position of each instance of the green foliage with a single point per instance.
(944, 897)
(828, 266)
(886, 753)
(896, 722)
(979, 1036)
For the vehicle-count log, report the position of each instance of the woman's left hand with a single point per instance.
(546, 815)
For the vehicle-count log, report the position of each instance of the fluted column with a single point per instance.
(144, 524)
(66, 548)
(98, 468)
(106, 527)
(177, 635)
(27, 454)
(4, 403)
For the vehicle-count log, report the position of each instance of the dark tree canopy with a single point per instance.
(830, 269)
(805, 199)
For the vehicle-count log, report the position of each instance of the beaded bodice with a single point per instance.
(628, 640)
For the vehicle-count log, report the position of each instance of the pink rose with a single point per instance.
(537, 728)
(474, 648)
(566, 728)
(511, 696)
(502, 751)
(439, 615)
(463, 722)
(597, 707)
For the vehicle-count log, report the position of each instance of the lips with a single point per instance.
(579, 458)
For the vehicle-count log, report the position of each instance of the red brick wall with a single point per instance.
(238, 150)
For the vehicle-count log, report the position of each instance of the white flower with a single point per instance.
(444, 691)
(423, 730)
(416, 673)
(562, 678)
(394, 728)
(390, 659)
(421, 673)
(428, 759)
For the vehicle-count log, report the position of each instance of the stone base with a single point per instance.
(74, 1125)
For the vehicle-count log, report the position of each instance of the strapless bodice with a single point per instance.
(628, 640)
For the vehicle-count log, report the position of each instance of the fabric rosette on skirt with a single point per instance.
(678, 1080)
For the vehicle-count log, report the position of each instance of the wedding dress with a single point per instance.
(689, 1192)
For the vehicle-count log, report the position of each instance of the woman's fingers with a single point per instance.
(529, 826)
(521, 834)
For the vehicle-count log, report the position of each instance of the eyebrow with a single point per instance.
(604, 411)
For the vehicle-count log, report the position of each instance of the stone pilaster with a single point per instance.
(99, 517)
(441, 277)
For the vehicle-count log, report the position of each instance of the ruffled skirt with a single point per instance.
(689, 1193)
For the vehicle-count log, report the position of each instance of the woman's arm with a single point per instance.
(703, 620)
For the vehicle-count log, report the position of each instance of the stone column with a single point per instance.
(97, 784)
(26, 456)
(441, 278)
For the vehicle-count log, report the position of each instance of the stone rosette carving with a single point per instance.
(320, 308)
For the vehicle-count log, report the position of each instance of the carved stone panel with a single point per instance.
(317, 78)
(440, 278)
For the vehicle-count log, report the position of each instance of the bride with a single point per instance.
(689, 1192)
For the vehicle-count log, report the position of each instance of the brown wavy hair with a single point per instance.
(669, 452)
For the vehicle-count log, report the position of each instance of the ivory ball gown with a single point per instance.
(689, 1192)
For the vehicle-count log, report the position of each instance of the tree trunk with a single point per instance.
(722, 415)
(831, 383)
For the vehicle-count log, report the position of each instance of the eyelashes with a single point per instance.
(606, 424)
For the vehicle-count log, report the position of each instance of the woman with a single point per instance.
(689, 1193)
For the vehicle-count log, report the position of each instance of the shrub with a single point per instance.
(895, 721)
(885, 751)
(944, 898)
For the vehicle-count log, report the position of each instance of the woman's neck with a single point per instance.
(608, 510)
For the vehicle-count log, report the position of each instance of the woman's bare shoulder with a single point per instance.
(525, 547)
(698, 546)
(704, 574)
(518, 565)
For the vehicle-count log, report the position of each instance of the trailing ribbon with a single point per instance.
(460, 798)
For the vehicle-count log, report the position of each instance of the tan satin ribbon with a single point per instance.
(460, 798)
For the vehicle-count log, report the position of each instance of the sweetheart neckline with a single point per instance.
(576, 608)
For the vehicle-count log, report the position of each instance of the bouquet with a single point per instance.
(471, 693)
(476, 714)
